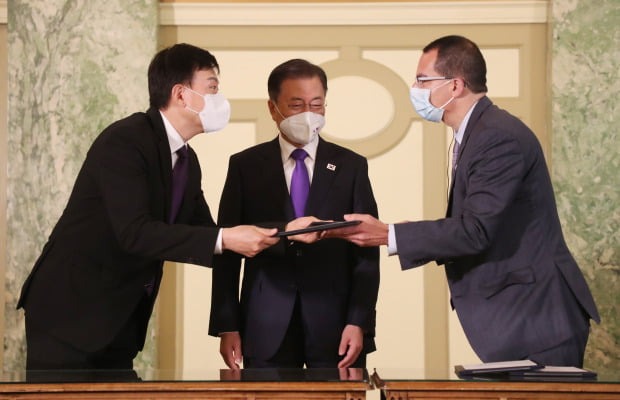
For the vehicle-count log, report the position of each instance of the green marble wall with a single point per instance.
(586, 156)
(75, 66)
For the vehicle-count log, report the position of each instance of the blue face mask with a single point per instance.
(421, 100)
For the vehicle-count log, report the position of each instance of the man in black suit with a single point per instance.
(516, 288)
(89, 296)
(301, 304)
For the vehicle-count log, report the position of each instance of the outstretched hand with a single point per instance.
(303, 222)
(371, 232)
(248, 240)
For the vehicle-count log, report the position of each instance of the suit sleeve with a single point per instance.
(365, 271)
(124, 173)
(493, 177)
(225, 309)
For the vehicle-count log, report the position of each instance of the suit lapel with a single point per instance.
(275, 184)
(482, 105)
(326, 167)
(479, 108)
(165, 159)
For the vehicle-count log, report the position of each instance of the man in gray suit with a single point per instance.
(516, 288)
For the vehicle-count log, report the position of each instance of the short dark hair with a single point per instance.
(459, 56)
(174, 65)
(293, 69)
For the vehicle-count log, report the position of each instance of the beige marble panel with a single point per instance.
(586, 156)
(74, 67)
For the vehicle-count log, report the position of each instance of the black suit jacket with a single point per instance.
(514, 284)
(337, 282)
(113, 235)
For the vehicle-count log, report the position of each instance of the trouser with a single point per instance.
(568, 353)
(45, 352)
(293, 352)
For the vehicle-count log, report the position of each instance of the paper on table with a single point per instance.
(501, 365)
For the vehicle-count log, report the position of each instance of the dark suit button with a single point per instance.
(298, 253)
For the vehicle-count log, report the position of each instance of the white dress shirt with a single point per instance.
(288, 163)
(176, 142)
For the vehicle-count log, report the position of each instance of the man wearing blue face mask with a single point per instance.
(301, 304)
(136, 202)
(516, 288)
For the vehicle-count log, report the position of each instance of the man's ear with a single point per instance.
(272, 110)
(459, 87)
(176, 96)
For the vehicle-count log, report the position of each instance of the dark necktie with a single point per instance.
(300, 182)
(455, 155)
(179, 178)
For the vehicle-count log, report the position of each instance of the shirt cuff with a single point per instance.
(391, 248)
(218, 243)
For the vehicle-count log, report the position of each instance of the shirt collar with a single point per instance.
(286, 148)
(174, 138)
(458, 135)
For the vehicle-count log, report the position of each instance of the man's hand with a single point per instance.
(371, 232)
(351, 374)
(248, 240)
(303, 222)
(350, 344)
(230, 349)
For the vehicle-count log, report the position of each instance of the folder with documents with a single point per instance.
(521, 370)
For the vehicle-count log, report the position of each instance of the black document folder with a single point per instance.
(522, 370)
(318, 226)
(502, 367)
(561, 373)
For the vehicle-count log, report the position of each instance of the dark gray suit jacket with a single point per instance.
(113, 236)
(336, 281)
(514, 284)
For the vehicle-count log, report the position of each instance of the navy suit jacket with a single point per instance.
(514, 284)
(336, 281)
(113, 236)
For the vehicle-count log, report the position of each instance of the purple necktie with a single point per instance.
(300, 183)
(179, 178)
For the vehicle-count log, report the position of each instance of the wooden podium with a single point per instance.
(402, 385)
(347, 384)
(282, 384)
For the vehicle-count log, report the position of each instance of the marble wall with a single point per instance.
(586, 156)
(75, 66)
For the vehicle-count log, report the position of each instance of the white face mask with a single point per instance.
(215, 114)
(421, 100)
(302, 128)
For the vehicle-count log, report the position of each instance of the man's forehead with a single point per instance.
(426, 65)
(206, 75)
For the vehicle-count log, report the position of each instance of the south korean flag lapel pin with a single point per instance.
(331, 167)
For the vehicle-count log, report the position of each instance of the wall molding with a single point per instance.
(3, 11)
(379, 13)
(390, 13)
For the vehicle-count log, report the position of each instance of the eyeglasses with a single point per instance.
(421, 79)
(313, 106)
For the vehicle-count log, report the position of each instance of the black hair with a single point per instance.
(295, 68)
(458, 56)
(174, 65)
